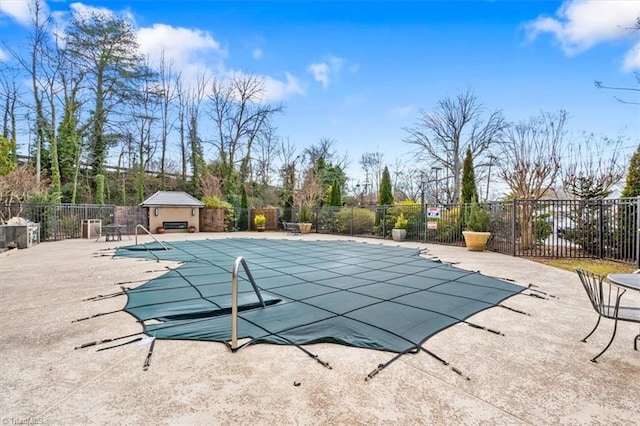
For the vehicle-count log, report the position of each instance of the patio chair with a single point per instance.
(605, 299)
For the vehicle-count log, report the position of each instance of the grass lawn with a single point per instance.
(602, 267)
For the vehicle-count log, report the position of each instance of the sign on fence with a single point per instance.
(432, 225)
(433, 212)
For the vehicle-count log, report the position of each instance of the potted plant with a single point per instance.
(399, 231)
(260, 221)
(477, 232)
(304, 219)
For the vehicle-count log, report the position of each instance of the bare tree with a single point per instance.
(167, 90)
(239, 113)
(372, 164)
(325, 148)
(530, 163)
(193, 112)
(408, 182)
(594, 167)
(16, 187)
(145, 110)
(9, 96)
(266, 152)
(182, 102)
(443, 136)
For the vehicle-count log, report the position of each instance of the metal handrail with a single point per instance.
(234, 298)
(147, 231)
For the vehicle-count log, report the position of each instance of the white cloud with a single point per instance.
(581, 24)
(80, 9)
(332, 66)
(18, 10)
(277, 90)
(402, 111)
(196, 53)
(335, 64)
(632, 59)
(181, 45)
(257, 53)
(3, 55)
(320, 73)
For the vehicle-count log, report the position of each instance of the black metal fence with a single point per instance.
(58, 221)
(604, 229)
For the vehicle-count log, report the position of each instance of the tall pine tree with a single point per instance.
(632, 186)
(335, 197)
(469, 189)
(385, 193)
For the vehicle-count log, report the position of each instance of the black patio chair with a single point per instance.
(605, 299)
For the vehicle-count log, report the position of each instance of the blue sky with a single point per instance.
(359, 72)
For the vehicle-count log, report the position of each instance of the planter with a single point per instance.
(191, 229)
(398, 234)
(160, 230)
(260, 228)
(476, 241)
(305, 227)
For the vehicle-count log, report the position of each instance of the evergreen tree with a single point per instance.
(385, 194)
(469, 189)
(628, 211)
(243, 220)
(104, 49)
(632, 186)
(335, 197)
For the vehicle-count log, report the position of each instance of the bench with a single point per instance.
(175, 225)
(292, 227)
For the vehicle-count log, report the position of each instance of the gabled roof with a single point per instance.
(172, 198)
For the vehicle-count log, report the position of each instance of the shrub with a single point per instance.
(401, 222)
(477, 218)
(304, 215)
(362, 220)
(260, 220)
(542, 227)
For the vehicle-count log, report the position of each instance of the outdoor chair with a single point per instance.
(291, 227)
(605, 299)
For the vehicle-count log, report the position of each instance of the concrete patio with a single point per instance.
(539, 372)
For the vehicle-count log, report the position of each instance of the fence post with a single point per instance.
(637, 231)
(352, 220)
(513, 227)
(384, 221)
(600, 230)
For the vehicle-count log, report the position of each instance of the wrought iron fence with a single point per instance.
(58, 221)
(605, 229)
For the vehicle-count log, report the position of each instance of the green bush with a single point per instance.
(304, 215)
(401, 222)
(409, 210)
(477, 218)
(362, 219)
(260, 220)
(543, 228)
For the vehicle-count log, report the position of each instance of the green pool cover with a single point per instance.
(358, 294)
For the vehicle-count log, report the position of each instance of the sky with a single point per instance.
(361, 72)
